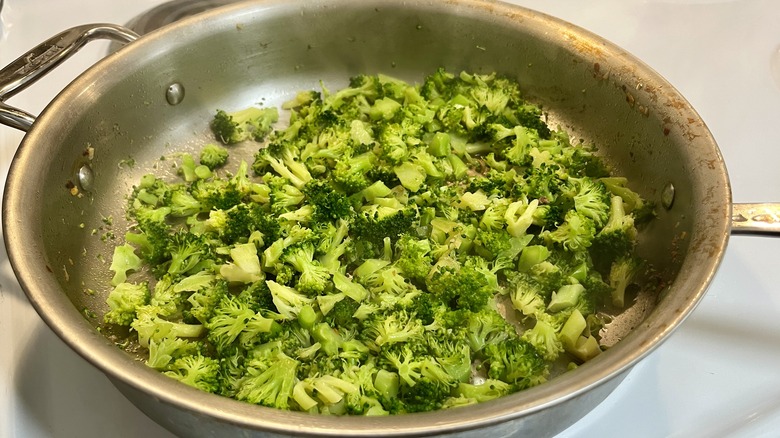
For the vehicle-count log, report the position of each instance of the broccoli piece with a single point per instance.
(239, 222)
(517, 221)
(375, 229)
(367, 399)
(183, 204)
(167, 296)
(621, 275)
(351, 172)
(213, 156)
(413, 257)
(488, 390)
(591, 200)
(454, 358)
(151, 239)
(527, 295)
(165, 351)
(314, 277)
(618, 237)
(283, 160)
(530, 116)
(124, 300)
(394, 328)
(465, 288)
(124, 260)
(575, 234)
(544, 336)
(190, 171)
(188, 252)
(391, 239)
(229, 319)
(641, 209)
(198, 371)
(287, 300)
(269, 381)
(204, 300)
(328, 389)
(515, 361)
(328, 204)
(334, 244)
(245, 266)
(151, 326)
(424, 383)
(247, 124)
(486, 327)
(342, 313)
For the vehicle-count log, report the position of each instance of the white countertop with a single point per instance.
(718, 374)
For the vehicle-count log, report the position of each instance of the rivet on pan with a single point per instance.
(667, 196)
(86, 178)
(175, 93)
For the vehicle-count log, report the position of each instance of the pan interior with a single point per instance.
(116, 122)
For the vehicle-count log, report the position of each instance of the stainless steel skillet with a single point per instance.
(121, 108)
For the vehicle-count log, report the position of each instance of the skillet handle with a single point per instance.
(755, 219)
(33, 65)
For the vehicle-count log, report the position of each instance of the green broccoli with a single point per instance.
(617, 238)
(395, 248)
(198, 371)
(516, 362)
(621, 275)
(124, 301)
(269, 382)
(247, 124)
(124, 260)
(213, 156)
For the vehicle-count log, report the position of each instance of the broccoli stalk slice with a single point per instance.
(567, 296)
(329, 338)
(124, 260)
(287, 300)
(572, 329)
(532, 255)
(412, 176)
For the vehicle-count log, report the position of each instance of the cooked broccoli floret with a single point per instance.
(198, 371)
(329, 204)
(124, 300)
(250, 123)
(465, 288)
(188, 252)
(213, 156)
(621, 275)
(269, 381)
(618, 237)
(516, 362)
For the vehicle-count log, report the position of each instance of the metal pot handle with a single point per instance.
(761, 218)
(31, 66)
